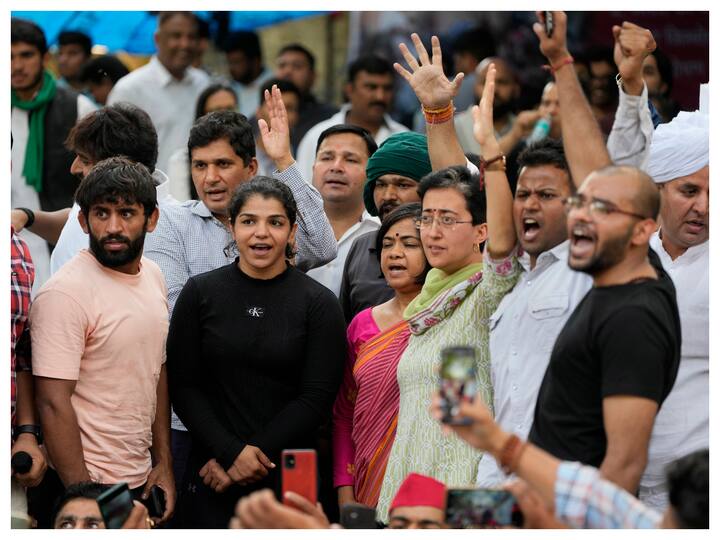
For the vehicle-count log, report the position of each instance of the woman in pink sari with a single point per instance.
(366, 409)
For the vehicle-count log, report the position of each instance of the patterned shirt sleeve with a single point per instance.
(315, 239)
(585, 500)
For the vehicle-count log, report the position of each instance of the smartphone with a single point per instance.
(155, 503)
(357, 516)
(115, 504)
(549, 24)
(299, 474)
(458, 382)
(482, 508)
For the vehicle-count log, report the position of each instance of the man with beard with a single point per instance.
(42, 114)
(393, 174)
(168, 86)
(98, 332)
(247, 73)
(616, 359)
(370, 91)
(117, 130)
(679, 164)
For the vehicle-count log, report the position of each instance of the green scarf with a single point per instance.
(32, 170)
(437, 282)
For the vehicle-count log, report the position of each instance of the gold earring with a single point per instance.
(476, 248)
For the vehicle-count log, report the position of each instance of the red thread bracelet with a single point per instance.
(564, 62)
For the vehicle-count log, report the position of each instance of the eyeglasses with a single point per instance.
(446, 222)
(596, 207)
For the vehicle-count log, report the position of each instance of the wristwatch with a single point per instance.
(28, 428)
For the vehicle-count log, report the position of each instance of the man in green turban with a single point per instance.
(393, 174)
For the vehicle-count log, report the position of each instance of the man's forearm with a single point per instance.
(25, 403)
(160, 448)
(624, 471)
(582, 139)
(49, 225)
(62, 440)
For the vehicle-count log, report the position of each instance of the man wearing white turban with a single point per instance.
(679, 164)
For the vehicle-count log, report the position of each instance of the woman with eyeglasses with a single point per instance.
(459, 295)
(366, 408)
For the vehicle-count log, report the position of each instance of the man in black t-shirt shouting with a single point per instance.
(617, 357)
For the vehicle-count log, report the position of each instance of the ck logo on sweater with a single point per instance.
(255, 312)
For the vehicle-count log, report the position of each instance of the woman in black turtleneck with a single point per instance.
(255, 355)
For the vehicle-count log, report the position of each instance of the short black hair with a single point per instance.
(404, 211)
(71, 37)
(246, 41)
(164, 16)
(82, 490)
(285, 87)
(25, 31)
(229, 125)
(267, 188)
(207, 93)
(477, 41)
(117, 130)
(296, 47)
(370, 63)
(688, 481)
(665, 67)
(203, 28)
(547, 151)
(101, 67)
(458, 177)
(349, 128)
(117, 179)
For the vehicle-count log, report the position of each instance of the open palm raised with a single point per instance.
(427, 79)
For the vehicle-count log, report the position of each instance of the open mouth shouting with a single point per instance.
(396, 270)
(530, 229)
(582, 241)
(261, 249)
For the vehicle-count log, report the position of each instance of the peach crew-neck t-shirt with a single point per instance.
(106, 330)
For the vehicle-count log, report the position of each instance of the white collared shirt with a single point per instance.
(306, 149)
(72, 238)
(330, 274)
(169, 102)
(523, 331)
(249, 94)
(682, 424)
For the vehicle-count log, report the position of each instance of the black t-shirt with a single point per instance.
(620, 340)
(254, 361)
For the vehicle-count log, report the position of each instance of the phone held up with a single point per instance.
(480, 508)
(549, 23)
(115, 504)
(458, 383)
(357, 516)
(299, 474)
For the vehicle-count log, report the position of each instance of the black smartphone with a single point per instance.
(155, 503)
(458, 369)
(357, 516)
(549, 24)
(480, 508)
(115, 504)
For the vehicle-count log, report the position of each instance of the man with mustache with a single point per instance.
(616, 359)
(393, 175)
(168, 86)
(98, 330)
(339, 175)
(369, 90)
(679, 164)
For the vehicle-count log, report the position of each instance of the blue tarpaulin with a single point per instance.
(132, 31)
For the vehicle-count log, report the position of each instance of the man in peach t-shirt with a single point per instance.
(98, 331)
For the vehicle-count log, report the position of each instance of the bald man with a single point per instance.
(617, 357)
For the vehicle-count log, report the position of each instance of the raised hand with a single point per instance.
(632, 45)
(276, 136)
(483, 127)
(554, 48)
(427, 79)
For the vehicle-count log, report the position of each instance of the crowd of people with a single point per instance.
(205, 273)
